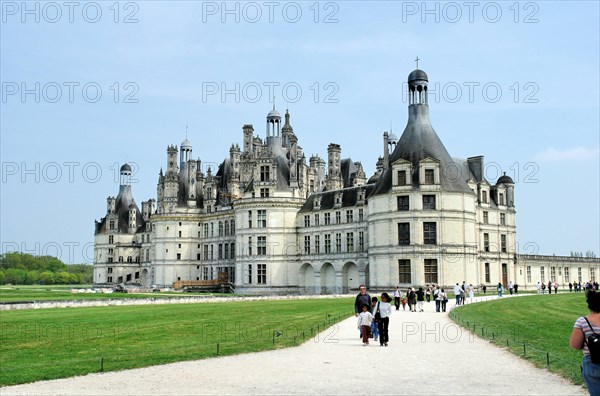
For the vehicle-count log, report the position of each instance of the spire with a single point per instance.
(287, 127)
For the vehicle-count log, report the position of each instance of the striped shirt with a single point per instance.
(582, 324)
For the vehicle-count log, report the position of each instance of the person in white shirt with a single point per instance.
(385, 311)
(471, 292)
(364, 321)
(397, 297)
(457, 290)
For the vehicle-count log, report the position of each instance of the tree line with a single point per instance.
(25, 269)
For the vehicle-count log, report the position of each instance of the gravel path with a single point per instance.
(424, 348)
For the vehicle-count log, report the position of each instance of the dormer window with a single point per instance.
(429, 179)
(484, 197)
(264, 173)
(317, 203)
(501, 199)
(401, 177)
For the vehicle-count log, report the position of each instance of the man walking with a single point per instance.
(457, 290)
(362, 298)
(397, 296)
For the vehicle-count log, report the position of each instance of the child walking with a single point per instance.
(374, 326)
(364, 320)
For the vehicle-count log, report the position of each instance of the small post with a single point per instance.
(507, 342)
(547, 359)
(482, 334)
(524, 350)
(101, 364)
(493, 336)
(217, 349)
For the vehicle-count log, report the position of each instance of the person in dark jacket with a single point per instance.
(362, 298)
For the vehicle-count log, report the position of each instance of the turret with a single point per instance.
(334, 172)
(248, 132)
(132, 223)
(111, 203)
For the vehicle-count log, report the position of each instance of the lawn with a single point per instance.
(62, 292)
(536, 328)
(57, 343)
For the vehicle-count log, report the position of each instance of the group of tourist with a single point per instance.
(373, 316)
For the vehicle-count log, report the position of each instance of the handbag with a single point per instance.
(377, 314)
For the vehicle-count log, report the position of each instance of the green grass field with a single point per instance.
(57, 343)
(62, 292)
(543, 323)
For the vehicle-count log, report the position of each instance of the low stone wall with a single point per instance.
(8, 306)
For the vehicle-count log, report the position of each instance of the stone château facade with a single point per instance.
(274, 222)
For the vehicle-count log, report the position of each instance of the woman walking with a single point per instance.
(384, 309)
(584, 327)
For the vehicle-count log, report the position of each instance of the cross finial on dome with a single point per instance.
(273, 102)
(186, 129)
(417, 60)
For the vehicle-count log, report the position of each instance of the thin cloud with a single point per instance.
(572, 154)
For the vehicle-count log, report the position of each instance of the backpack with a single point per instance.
(593, 343)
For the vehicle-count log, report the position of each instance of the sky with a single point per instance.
(87, 86)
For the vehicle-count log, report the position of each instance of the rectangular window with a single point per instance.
(261, 218)
(205, 230)
(567, 275)
(306, 244)
(501, 199)
(212, 252)
(429, 233)
(111, 239)
(502, 218)
(579, 274)
(317, 244)
(403, 204)
(212, 229)
(265, 173)
(249, 246)
(249, 273)
(593, 274)
(261, 245)
(429, 176)
(553, 274)
(220, 251)
(542, 274)
(528, 271)
(487, 273)
(431, 271)
(338, 217)
(484, 196)
(338, 243)
(205, 252)
(486, 242)
(350, 242)
(178, 256)
(403, 233)
(327, 243)
(110, 279)
(361, 241)
(249, 219)
(110, 259)
(111, 225)
(401, 177)
(317, 219)
(306, 220)
(327, 218)
(220, 228)
(361, 214)
(503, 243)
(232, 250)
(110, 270)
(261, 274)
(428, 202)
(349, 216)
(404, 272)
(486, 219)
(264, 193)
(226, 251)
